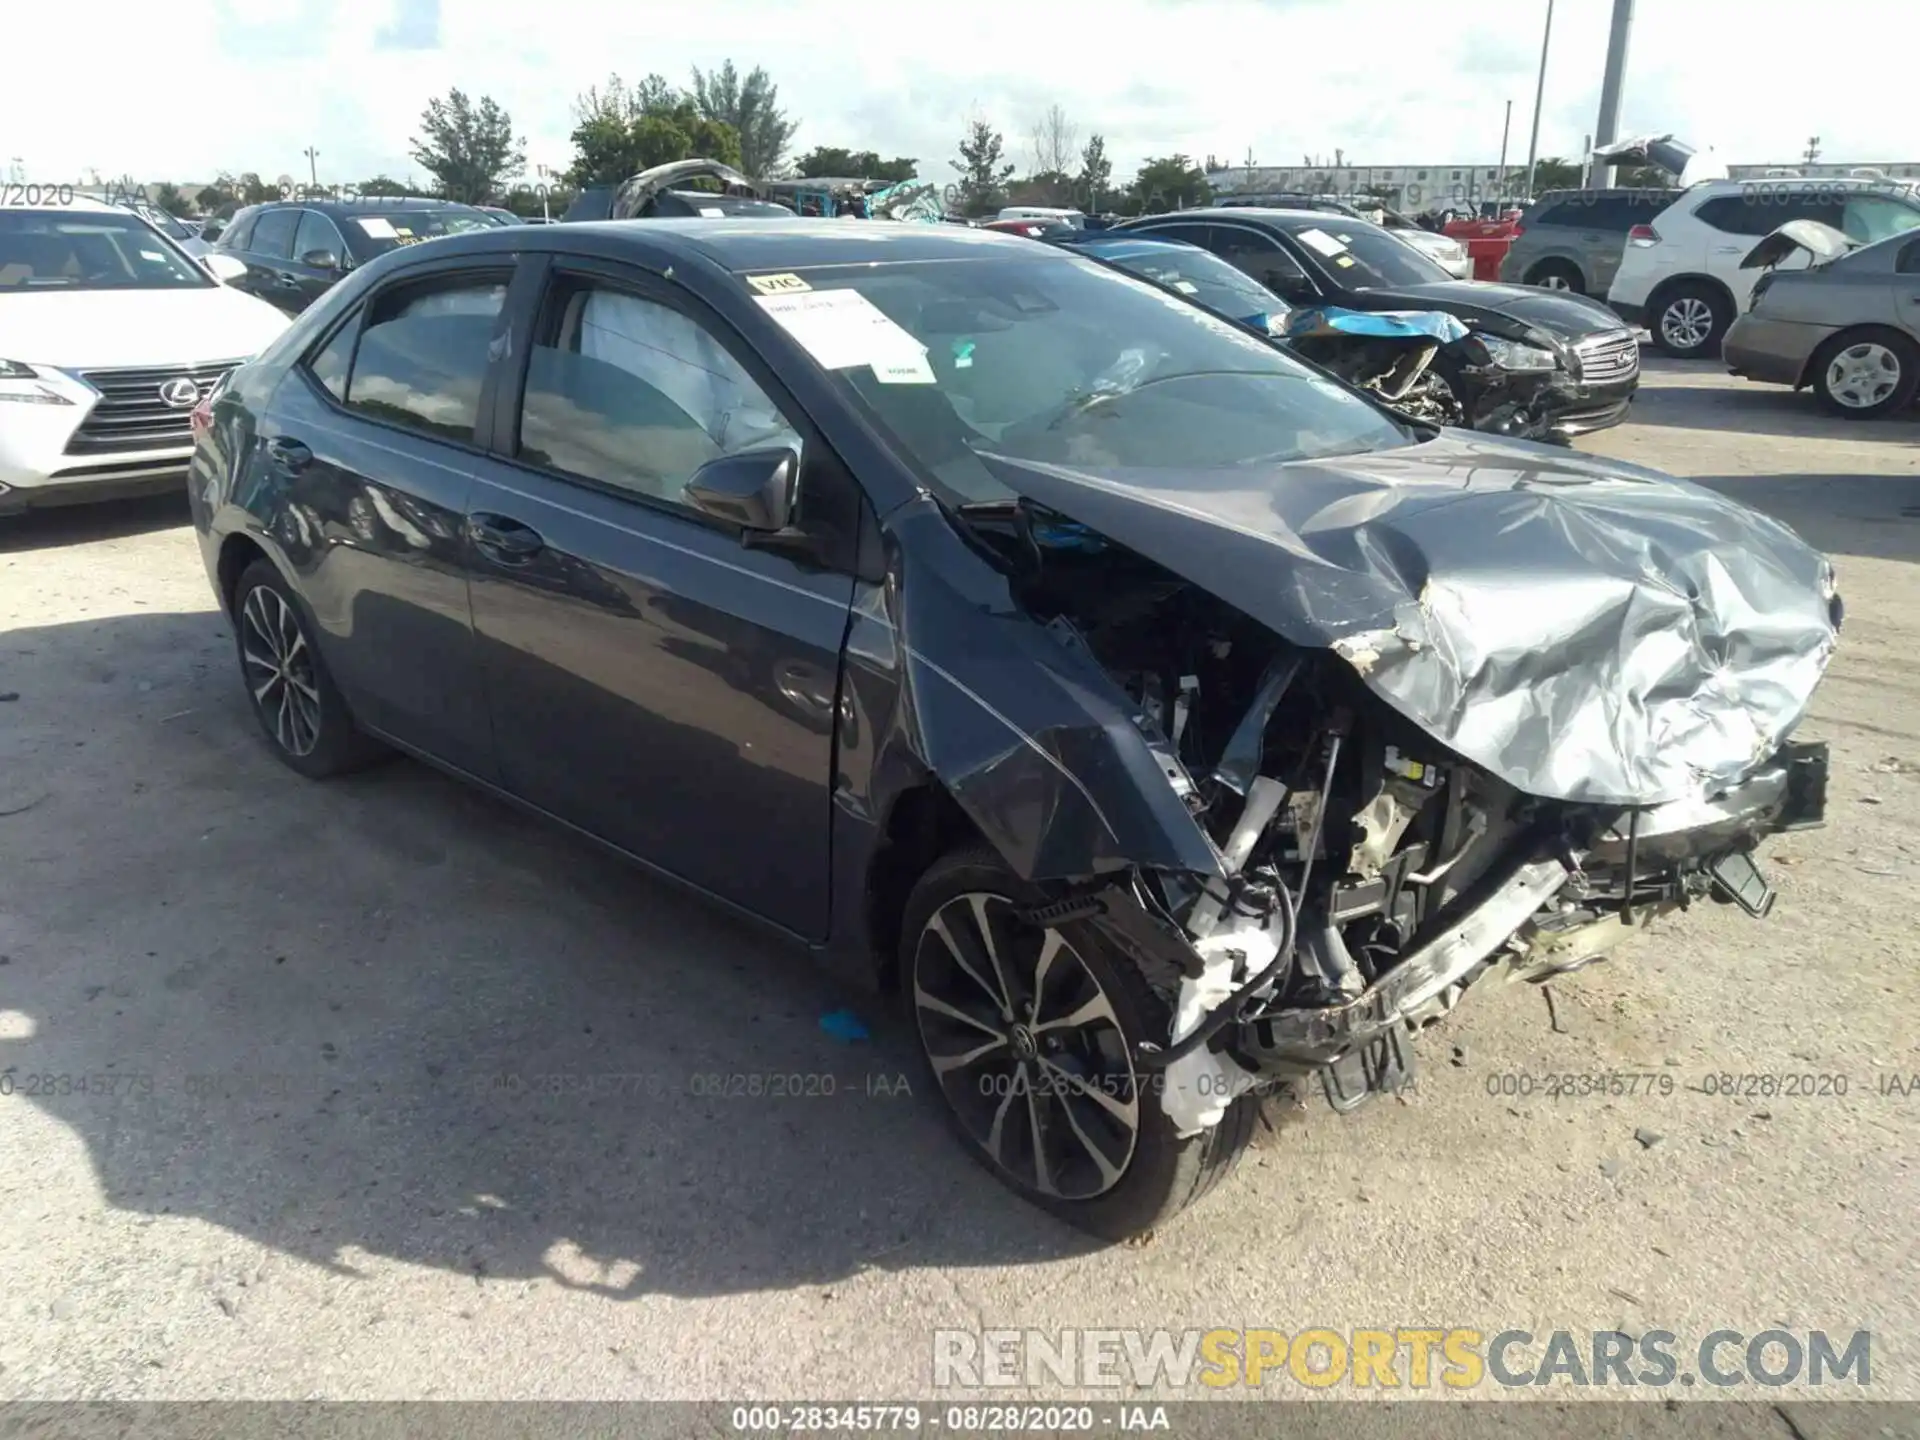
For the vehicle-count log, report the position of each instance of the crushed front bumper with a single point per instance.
(1670, 854)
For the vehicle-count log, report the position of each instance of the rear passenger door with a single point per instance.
(269, 253)
(650, 678)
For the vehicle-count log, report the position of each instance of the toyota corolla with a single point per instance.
(1161, 720)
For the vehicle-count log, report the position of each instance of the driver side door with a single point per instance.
(652, 679)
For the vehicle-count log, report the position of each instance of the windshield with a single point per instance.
(1056, 359)
(89, 250)
(375, 234)
(1202, 276)
(1360, 257)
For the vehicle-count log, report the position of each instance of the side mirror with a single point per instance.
(321, 260)
(753, 490)
(225, 268)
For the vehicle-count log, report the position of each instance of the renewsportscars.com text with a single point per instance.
(1400, 1357)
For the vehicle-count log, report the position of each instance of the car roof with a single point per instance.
(78, 202)
(1278, 215)
(1121, 241)
(363, 204)
(763, 244)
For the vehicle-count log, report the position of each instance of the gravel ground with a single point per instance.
(359, 1209)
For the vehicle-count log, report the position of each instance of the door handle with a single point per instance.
(290, 280)
(1728, 250)
(289, 455)
(504, 539)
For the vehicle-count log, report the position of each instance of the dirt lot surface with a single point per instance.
(305, 1176)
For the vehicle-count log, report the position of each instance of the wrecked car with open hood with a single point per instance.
(1163, 719)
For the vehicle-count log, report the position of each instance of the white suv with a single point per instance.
(110, 337)
(1680, 274)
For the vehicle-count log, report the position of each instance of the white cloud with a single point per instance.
(190, 87)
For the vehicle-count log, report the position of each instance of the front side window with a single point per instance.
(316, 236)
(977, 366)
(637, 395)
(423, 355)
(89, 250)
(1868, 218)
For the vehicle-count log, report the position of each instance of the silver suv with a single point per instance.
(1572, 239)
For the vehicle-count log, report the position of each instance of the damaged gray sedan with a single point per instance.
(1163, 720)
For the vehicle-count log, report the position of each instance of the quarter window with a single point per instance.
(637, 395)
(334, 359)
(423, 355)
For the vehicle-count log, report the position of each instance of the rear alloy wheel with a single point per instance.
(293, 696)
(1866, 376)
(1690, 322)
(1557, 275)
(1029, 1032)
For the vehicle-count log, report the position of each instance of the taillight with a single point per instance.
(1643, 235)
(1518, 229)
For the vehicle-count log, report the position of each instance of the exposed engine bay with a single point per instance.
(1369, 873)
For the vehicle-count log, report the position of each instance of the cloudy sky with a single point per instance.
(184, 88)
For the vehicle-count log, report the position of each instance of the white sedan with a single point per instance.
(110, 336)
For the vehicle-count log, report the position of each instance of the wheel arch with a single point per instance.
(1866, 330)
(1662, 292)
(1555, 259)
(237, 552)
(923, 822)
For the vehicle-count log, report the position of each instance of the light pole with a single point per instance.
(1607, 128)
(1505, 127)
(313, 166)
(1539, 95)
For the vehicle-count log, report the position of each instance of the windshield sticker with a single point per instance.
(375, 226)
(778, 284)
(842, 328)
(1343, 261)
(1323, 242)
(963, 354)
(712, 212)
(153, 255)
(1186, 287)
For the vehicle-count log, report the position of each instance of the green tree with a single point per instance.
(983, 172)
(169, 197)
(470, 149)
(1551, 172)
(832, 162)
(621, 131)
(384, 185)
(211, 197)
(1171, 182)
(1096, 171)
(750, 108)
(250, 189)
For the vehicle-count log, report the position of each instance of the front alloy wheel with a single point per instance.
(1027, 1048)
(1031, 1035)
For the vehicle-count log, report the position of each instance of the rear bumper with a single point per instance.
(1774, 352)
(1539, 908)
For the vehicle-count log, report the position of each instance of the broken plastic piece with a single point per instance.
(844, 1026)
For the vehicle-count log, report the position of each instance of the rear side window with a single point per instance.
(1908, 261)
(239, 233)
(1560, 212)
(423, 356)
(273, 233)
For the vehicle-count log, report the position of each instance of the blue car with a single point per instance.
(1204, 277)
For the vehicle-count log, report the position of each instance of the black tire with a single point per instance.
(1691, 320)
(300, 709)
(1566, 274)
(1885, 354)
(1156, 1173)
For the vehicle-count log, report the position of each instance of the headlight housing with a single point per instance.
(20, 384)
(1518, 355)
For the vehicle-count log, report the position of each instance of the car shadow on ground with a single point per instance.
(79, 524)
(1872, 516)
(388, 1016)
(1755, 409)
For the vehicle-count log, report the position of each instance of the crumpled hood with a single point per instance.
(1586, 630)
(1485, 303)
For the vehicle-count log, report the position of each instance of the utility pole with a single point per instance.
(313, 165)
(1505, 127)
(1813, 149)
(1607, 128)
(1539, 95)
(1249, 167)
